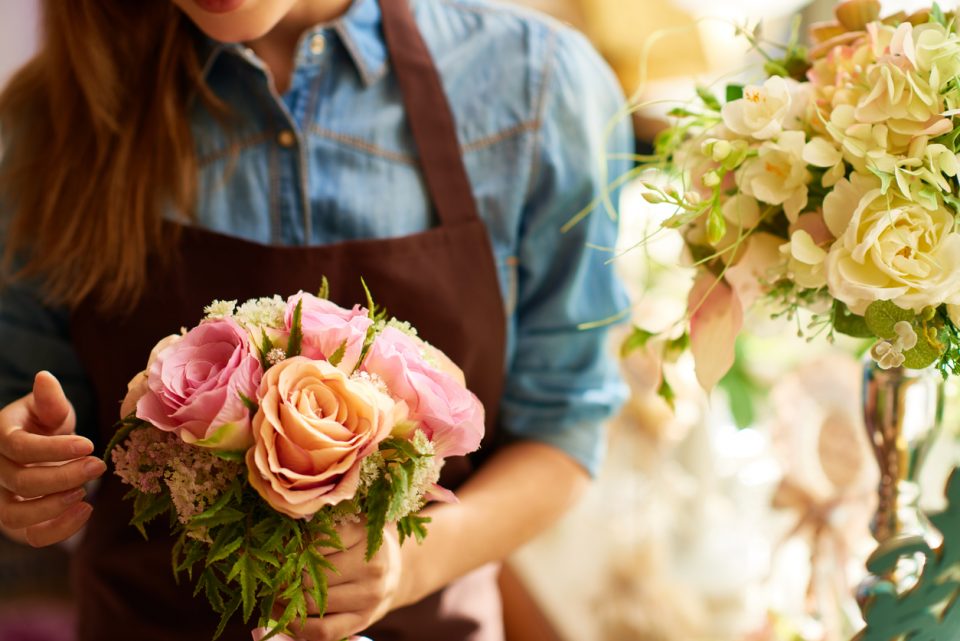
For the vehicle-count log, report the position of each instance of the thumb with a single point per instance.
(51, 409)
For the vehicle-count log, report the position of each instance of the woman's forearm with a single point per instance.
(516, 495)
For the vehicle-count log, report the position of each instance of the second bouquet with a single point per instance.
(272, 422)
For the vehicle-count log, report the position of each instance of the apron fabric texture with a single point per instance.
(443, 280)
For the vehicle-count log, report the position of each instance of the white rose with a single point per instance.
(762, 110)
(778, 175)
(889, 248)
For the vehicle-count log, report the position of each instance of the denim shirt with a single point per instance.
(333, 159)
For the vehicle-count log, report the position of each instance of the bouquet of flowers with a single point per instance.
(271, 422)
(830, 186)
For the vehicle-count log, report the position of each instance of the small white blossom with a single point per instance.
(276, 355)
(263, 312)
(887, 355)
(906, 336)
(220, 309)
(402, 326)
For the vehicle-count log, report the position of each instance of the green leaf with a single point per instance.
(266, 345)
(250, 403)
(734, 92)
(294, 345)
(336, 358)
(376, 505)
(265, 557)
(885, 178)
(222, 501)
(883, 315)
(226, 614)
(708, 98)
(222, 552)
(665, 391)
(314, 566)
(680, 112)
(221, 517)
(637, 339)
(848, 323)
(413, 526)
(324, 292)
(245, 571)
(229, 455)
(936, 15)
(400, 489)
(147, 507)
(924, 354)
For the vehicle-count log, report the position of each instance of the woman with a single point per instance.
(158, 155)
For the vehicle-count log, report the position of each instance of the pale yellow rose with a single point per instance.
(314, 427)
(805, 260)
(762, 111)
(889, 248)
(778, 175)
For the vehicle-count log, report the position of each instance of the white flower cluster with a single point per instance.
(263, 312)
(220, 309)
(889, 355)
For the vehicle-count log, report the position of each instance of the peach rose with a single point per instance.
(314, 428)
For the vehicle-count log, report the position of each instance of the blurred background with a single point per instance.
(739, 517)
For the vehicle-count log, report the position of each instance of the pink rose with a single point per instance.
(314, 428)
(138, 387)
(195, 385)
(327, 326)
(449, 414)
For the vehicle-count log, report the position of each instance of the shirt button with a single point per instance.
(286, 138)
(317, 44)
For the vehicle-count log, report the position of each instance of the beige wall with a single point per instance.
(18, 34)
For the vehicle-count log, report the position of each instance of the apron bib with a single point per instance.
(444, 281)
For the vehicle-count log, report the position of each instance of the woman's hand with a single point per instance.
(361, 592)
(43, 467)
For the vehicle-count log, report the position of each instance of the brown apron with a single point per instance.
(443, 280)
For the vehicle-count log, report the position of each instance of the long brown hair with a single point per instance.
(96, 145)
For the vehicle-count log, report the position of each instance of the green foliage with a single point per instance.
(883, 316)
(742, 391)
(929, 610)
(637, 339)
(324, 292)
(266, 345)
(387, 497)
(848, 323)
(709, 100)
(246, 558)
(337, 357)
(734, 92)
(295, 342)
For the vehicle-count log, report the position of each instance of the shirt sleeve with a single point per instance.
(35, 337)
(563, 380)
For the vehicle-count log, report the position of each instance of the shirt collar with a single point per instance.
(359, 29)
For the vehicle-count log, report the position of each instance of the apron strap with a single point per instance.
(429, 115)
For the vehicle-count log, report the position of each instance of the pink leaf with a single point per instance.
(716, 319)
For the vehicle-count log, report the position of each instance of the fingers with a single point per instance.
(60, 528)
(50, 407)
(22, 447)
(350, 597)
(36, 481)
(351, 565)
(17, 514)
(332, 627)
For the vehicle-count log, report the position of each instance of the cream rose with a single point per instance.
(889, 248)
(778, 175)
(762, 111)
(314, 427)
